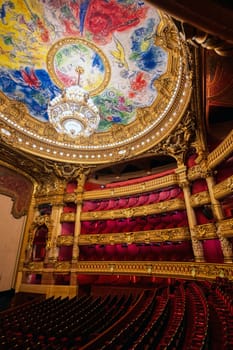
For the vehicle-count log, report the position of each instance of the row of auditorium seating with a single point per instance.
(139, 223)
(166, 251)
(133, 201)
(197, 317)
(176, 315)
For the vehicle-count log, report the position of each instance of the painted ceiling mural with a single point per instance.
(112, 49)
(122, 37)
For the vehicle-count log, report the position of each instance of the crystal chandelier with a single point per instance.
(73, 112)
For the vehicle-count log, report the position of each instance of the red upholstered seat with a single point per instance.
(112, 204)
(163, 195)
(143, 199)
(89, 206)
(154, 220)
(132, 201)
(123, 202)
(174, 192)
(102, 205)
(153, 198)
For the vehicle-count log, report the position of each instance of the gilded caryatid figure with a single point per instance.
(226, 247)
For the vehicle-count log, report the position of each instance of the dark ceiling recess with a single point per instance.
(225, 3)
(220, 114)
(137, 167)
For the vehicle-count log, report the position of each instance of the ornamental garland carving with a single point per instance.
(198, 171)
(154, 268)
(162, 269)
(199, 199)
(62, 266)
(42, 220)
(156, 208)
(223, 188)
(206, 231)
(173, 235)
(225, 227)
(70, 197)
(65, 240)
(52, 186)
(69, 217)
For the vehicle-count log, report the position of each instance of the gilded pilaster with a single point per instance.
(196, 244)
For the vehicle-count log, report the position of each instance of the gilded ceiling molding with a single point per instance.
(13, 184)
(226, 227)
(156, 208)
(199, 199)
(186, 270)
(206, 231)
(224, 188)
(221, 152)
(134, 189)
(68, 171)
(146, 237)
(34, 168)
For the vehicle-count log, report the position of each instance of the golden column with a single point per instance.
(196, 244)
(218, 214)
(81, 178)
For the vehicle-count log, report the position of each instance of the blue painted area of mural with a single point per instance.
(98, 63)
(82, 14)
(148, 57)
(34, 88)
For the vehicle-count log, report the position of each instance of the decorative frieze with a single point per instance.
(171, 235)
(67, 217)
(206, 231)
(225, 227)
(184, 270)
(65, 240)
(156, 208)
(224, 188)
(199, 199)
(194, 172)
(70, 197)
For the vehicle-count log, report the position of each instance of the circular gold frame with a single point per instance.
(69, 41)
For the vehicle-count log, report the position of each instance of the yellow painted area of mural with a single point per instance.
(21, 31)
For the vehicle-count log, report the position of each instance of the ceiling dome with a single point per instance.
(133, 67)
